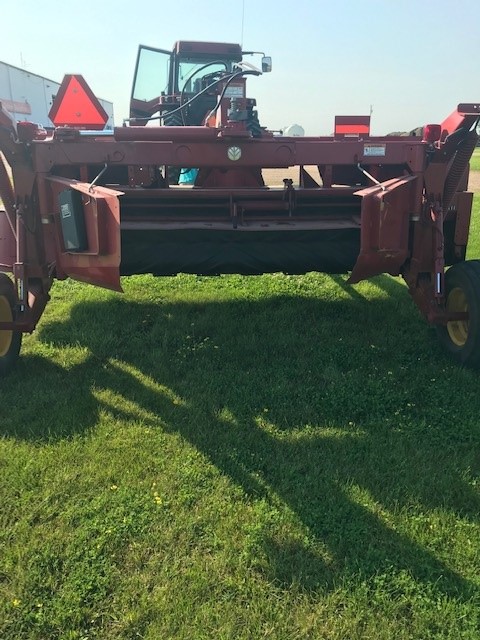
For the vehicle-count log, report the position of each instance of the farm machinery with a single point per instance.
(94, 205)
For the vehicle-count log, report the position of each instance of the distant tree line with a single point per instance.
(418, 132)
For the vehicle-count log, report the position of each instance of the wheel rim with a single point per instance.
(5, 335)
(457, 329)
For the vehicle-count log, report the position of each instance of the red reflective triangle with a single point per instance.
(75, 105)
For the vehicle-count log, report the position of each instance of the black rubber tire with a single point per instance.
(462, 338)
(10, 341)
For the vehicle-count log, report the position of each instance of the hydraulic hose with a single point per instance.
(197, 95)
(232, 77)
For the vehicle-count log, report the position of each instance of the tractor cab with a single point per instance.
(182, 86)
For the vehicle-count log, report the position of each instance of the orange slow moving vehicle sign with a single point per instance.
(75, 105)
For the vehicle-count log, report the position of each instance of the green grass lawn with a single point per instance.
(475, 160)
(268, 457)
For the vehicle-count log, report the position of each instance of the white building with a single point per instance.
(28, 96)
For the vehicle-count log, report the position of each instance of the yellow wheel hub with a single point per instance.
(5, 335)
(457, 329)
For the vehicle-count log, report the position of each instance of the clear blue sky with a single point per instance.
(412, 60)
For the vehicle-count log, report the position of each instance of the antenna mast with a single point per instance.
(243, 22)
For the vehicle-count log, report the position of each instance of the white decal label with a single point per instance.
(234, 92)
(65, 209)
(374, 150)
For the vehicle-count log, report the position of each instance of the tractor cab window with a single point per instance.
(151, 73)
(195, 74)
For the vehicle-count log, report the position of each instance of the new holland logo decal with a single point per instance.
(234, 153)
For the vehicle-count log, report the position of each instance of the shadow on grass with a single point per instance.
(391, 286)
(312, 401)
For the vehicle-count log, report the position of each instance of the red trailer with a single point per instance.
(95, 205)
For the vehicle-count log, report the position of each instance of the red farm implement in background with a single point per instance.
(95, 205)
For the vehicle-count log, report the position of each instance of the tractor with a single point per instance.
(185, 86)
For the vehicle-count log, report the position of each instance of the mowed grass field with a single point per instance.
(475, 161)
(279, 457)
